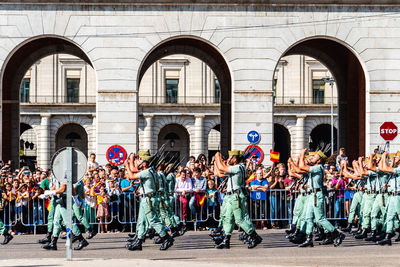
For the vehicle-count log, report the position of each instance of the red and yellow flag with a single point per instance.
(201, 202)
(47, 204)
(274, 156)
(251, 178)
(91, 192)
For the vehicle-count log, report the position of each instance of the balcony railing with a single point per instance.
(51, 99)
(197, 100)
(297, 100)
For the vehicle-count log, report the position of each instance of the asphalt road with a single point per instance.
(197, 249)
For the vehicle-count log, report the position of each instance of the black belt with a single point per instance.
(397, 194)
(237, 191)
(317, 190)
(368, 192)
(304, 194)
(161, 193)
(149, 195)
(391, 193)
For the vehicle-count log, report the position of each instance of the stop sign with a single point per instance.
(388, 131)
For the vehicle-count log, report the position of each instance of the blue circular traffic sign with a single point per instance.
(116, 155)
(253, 137)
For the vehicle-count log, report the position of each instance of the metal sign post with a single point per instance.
(69, 165)
(68, 176)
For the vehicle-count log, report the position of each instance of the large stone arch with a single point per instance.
(14, 68)
(351, 79)
(210, 54)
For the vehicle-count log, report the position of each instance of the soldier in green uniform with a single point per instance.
(60, 215)
(170, 188)
(315, 204)
(355, 207)
(379, 206)
(147, 214)
(3, 230)
(368, 196)
(235, 200)
(393, 206)
(50, 185)
(77, 208)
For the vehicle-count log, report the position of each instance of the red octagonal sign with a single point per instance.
(388, 131)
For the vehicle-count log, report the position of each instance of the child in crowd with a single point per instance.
(102, 209)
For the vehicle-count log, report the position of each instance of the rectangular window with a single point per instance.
(73, 90)
(24, 90)
(171, 87)
(217, 92)
(318, 87)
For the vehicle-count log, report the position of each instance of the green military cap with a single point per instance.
(310, 154)
(147, 158)
(142, 153)
(392, 155)
(233, 153)
(321, 154)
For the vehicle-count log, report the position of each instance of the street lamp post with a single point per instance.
(331, 82)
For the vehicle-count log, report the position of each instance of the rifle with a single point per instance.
(158, 154)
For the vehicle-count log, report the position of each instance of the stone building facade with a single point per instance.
(242, 43)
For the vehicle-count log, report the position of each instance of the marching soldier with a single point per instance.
(60, 215)
(3, 229)
(147, 213)
(235, 200)
(315, 204)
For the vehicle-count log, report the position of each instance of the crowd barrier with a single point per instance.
(272, 206)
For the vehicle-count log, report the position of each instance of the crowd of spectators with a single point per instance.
(110, 200)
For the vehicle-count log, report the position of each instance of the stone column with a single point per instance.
(148, 140)
(300, 138)
(44, 141)
(198, 139)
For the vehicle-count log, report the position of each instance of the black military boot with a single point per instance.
(92, 233)
(150, 233)
(338, 237)
(244, 237)
(348, 228)
(74, 238)
(52, 245)
(135, 246)
(372, 237)
(168, 241)
(183, 229)
(219, 239)
(386, 241)
(175, 232)
(308, 242)
(295, 233)
(82, 243)
(320, 234)
(362, 235)
(358, 231)
(216, 232)
(132, 238)
(254, 239)
(226, 243)
(299, 238)
(327, 240)
(158, 240)
(291, 230)
(45, 240)
(398, 238)
(7, 238)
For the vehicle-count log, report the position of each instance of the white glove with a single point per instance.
(76, 200)
(50, 193)
(42, 196)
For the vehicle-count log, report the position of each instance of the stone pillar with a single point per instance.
(299, 138)
(198, 139)
(44, 141)
(148, 140)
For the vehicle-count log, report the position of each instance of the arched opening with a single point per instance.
(320, 136)
(207, 53)
(282, 142)
(14, 69)
(214, 137)
(349, 77)
(74, 135)
(177, 140)
(27, 145)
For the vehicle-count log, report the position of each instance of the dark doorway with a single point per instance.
(282, 142)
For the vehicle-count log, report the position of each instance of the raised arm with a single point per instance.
(383, 164)
(302, 164)
(220, 164)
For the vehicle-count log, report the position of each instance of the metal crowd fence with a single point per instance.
(273, 206)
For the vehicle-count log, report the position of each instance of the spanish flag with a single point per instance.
(91, 192)
(201, 202)
(47, 204)
(251, 178)
(274, 156)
